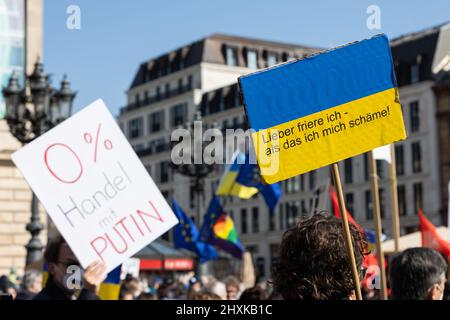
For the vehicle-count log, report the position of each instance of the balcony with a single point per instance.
(155, 149)
(154, 99)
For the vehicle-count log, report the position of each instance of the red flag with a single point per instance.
(369, 259)
(431, 238)
(337, 210)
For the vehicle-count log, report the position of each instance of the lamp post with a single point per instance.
(196, 169)
(30, 112)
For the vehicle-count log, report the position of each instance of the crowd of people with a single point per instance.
(313, 265)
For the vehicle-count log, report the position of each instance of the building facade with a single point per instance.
(17, 53)
(168, 90)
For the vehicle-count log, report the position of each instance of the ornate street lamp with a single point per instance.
(31, 111)
(197, 172)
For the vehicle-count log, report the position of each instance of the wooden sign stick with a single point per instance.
(348, 237)
(377, 216)
(394, 200)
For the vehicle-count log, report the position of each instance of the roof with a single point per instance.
(209, 49)
(163, 249)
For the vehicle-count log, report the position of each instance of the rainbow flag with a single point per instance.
(218, 229)
(327, 107)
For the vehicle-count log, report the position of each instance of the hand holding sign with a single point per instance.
(95, 188)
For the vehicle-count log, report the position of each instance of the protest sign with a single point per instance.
(95, 188)
(325, 108)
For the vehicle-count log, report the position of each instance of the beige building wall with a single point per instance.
(15, 194)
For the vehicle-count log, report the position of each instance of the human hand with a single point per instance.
(94, 275)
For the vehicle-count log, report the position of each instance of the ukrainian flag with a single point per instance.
(229, 186)
(109, 289)
(325, 108)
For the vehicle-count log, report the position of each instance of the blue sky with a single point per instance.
(101, 58)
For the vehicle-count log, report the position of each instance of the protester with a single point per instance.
(254, 293)
(31, 285)
(7, 287)
(205, 295)
(147, 296)
(418, 274)
(232, 286)
(126, 293)
(131, 285)
(314, 264)
(62, 283)
(195, 286)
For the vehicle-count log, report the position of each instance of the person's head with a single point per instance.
(195, 286)
(126, 293)
(255, 293)
(6, 286)
(147, 296)
(232, 287)
(62, 263)
(133, 285)
(32, 281)
(418, 274)
(205, 295)
(314, 263)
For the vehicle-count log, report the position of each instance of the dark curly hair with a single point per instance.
(314, 263)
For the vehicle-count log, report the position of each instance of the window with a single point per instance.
(349, 202)
(312, 180)
(252, 59)
(179, 114)
(271, 222)
(146, 97)
(366, 167)
(231, 56)
(418, 200)
(135, 128)
(302, 182)
(348, 170)
(379, 164)
(255, 219)
(416, 157)
(180, 85)
(400, 159)
(382, 202)
(415, 73)
(414, 116)
(167, 90)
(401, 194)
(158, 93)
(190, 82)
(244, 227)
(137, 99)
(164, 171)
(272, 59)
(369, 211)
(192, 197)
(281, 216)
(155, 121)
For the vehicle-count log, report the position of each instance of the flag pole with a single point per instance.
(377, 216)
(394, 200)
(348, 237)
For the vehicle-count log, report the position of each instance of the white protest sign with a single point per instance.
(95, 188)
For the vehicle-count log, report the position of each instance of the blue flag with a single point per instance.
(249, 175)
(186, 236)
(218, 229)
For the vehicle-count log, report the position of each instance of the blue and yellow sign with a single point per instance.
(325, 108)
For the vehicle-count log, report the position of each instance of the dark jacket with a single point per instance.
(25, 295)
(53, 292)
